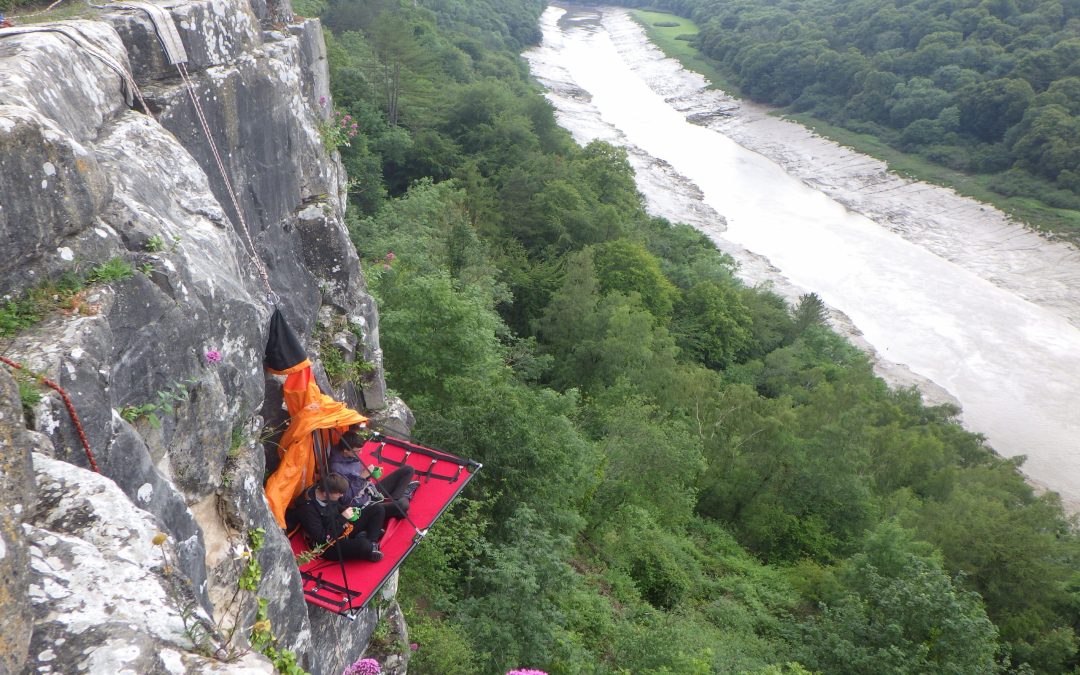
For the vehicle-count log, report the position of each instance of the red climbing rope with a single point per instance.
(70, 407)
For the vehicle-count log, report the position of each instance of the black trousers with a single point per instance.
(366, 531)
(393, 488)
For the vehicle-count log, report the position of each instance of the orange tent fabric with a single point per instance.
(309, 410)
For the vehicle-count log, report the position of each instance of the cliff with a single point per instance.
(128, 209)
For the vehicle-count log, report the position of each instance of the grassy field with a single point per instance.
(675, 42)
(37, 11)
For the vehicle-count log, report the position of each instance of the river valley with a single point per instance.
(944, 292)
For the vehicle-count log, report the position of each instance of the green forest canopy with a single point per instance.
(682, 474)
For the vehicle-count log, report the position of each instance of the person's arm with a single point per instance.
(312, 522)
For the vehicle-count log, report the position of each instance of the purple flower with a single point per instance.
(364, 667)
(322, 100)
(414, 646)
(213, 356)
(526, 671)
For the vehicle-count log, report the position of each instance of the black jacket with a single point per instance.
(320, 522)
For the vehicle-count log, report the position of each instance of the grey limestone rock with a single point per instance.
(18, 498)
(66, 83)
(99, 587)
(213, 32)
(51, 187)
(85, 179)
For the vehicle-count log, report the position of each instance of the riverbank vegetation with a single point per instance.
(979, 96)
(682, 474)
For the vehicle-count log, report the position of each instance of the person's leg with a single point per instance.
(394, 484)
(370, 523)
(352, 548)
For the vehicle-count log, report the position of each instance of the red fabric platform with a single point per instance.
(349, 586)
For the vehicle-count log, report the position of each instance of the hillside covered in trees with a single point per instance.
(988, 87)
(682, 474)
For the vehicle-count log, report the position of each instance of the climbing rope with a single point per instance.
(67, 403)
(94, 49)
(253, 252)
(173, 47)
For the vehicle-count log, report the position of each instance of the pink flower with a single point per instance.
(322, 100)
(385, 266)
(213, 356)
(526, 671)
(348, 118)
(414, 646)
(390, 256)
(364, 667)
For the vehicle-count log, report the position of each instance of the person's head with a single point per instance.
(334, 486)
(353, 439)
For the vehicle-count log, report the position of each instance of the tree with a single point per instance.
(514, 611)
(988, 109)
(626, 267)
(1047, 141)
(916, 99)
(570, 324)
(649, 462)
(901, 613)
(432, 331)
(714, 327)
(810, 311)
(1008, 545)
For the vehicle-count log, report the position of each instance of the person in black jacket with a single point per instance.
(319, 513)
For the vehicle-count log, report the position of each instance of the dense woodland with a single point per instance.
(682, 474)
(981, 86)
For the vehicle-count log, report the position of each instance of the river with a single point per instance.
(945, 293)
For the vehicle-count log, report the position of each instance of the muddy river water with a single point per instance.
(944, 292)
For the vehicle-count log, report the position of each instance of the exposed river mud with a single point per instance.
(944, 292)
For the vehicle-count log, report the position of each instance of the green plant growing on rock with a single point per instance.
(338, 368)
(237, 441)
(338, 129)
(23, 311)
(203, 637)
(66, 294)
(158, 243)
(114, 269)
(167, 400)
(29, 390)
(251, 573)
(155, 243)
(263, 641)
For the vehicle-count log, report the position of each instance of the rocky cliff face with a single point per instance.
(86, 176)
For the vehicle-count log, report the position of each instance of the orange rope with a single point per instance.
(70, 407)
